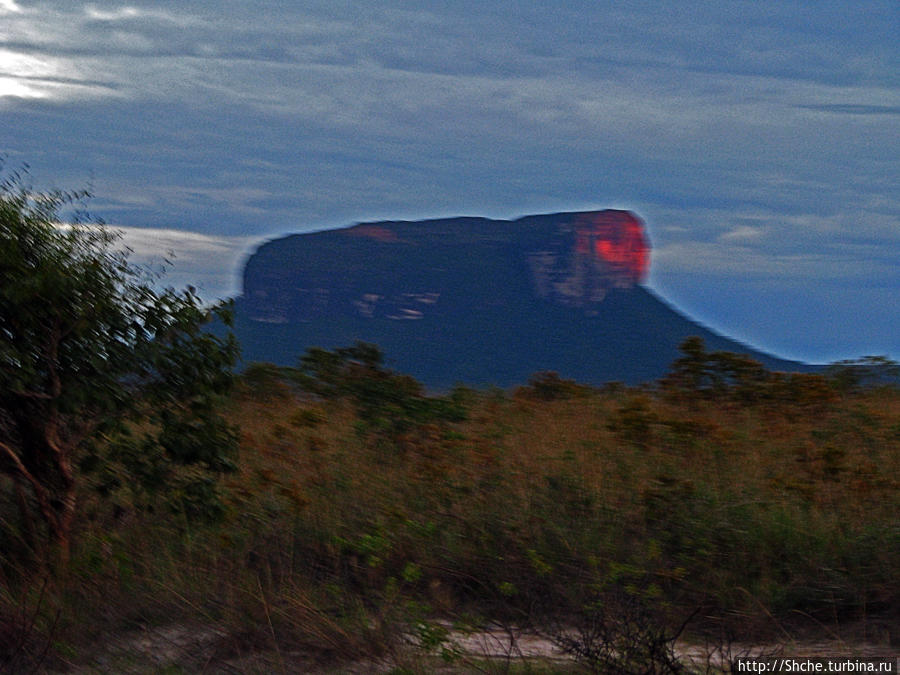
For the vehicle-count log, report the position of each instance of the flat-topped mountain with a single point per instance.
(473, 300)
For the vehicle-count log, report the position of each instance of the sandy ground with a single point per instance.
(187, 649)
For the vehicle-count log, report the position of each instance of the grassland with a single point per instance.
(580, 514)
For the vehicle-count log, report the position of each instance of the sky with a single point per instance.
(758, 139)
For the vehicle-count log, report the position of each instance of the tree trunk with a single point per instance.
(63, 497)
(62, 542)
(28, 535)
(53, 490)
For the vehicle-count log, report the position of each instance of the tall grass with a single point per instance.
(756, 517)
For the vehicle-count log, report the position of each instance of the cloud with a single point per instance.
(576, 45)
(850, 246)
(746, 263)
(212, 264)
(115, 15)
(21, 74)
(742, 233)
(853, 108)
(149, 242)
(755, 138)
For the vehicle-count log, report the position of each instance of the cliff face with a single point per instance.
(472, 300)
(587, 255)
(405, 271)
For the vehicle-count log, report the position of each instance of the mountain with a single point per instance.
(473, 300)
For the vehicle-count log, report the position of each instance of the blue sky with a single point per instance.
(758, 139)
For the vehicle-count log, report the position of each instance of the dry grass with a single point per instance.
(767, 517)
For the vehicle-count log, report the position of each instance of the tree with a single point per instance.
(87, 345)
(709, 374)
(391, 405)
(699, 374)
(867, 371)
(690, 372)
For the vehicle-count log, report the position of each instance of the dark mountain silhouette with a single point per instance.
(473, 300)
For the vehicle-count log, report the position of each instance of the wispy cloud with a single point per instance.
(756, 138)
(102, 15)
(212, 264)
(729, 261)
(853, 108)
(742, 233)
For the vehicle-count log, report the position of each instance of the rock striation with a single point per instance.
(472, 300)
(404, 271)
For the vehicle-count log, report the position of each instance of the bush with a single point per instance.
(88, 345)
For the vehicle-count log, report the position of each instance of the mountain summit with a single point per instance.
(473, 300)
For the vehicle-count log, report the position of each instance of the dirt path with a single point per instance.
(204, 649)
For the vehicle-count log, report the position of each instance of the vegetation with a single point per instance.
(370, 522)
(86, 346)
(596, 517)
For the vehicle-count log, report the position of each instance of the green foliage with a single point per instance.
(265, 381)
(549, 386)
(88, 347)
(603, 520)
(389, 405)
(803, 390)
(634, 421)
(854, 374)
(434, 637)
(710, 374)
(699, 374)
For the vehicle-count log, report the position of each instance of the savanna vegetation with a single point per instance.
(337, 513)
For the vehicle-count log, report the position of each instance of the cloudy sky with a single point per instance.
(759, 139)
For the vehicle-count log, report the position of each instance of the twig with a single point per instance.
(265, 603)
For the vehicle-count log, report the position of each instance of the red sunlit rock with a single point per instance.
(617, 238)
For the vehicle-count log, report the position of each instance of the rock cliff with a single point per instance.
(404, 271)
(472, 300)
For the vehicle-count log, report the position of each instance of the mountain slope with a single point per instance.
(472, 300)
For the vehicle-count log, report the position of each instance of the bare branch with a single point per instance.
(40, 492)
